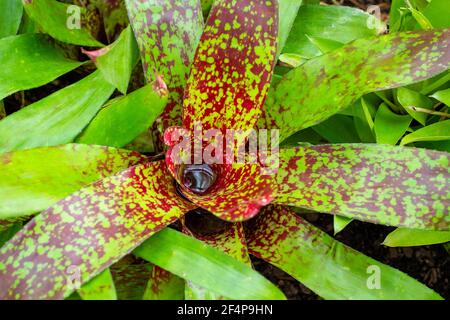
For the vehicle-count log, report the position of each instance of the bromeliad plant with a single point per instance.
(126, 200)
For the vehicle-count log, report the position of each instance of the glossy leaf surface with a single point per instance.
(300, 249)
(33, 180)
(61, 116)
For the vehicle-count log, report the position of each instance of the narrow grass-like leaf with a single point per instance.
(214, 270)
(33, 180)
(434, 132)
(402, 237)
(383, 184)
(116, 61)
(389, 126)
(56, 119)
(87, 232)
(39, 62)
(101, 287)
(61, 21)
(10, 17)
(233, 65)
(122, 120)
(167, 33)
(292, 244)
(343, 75)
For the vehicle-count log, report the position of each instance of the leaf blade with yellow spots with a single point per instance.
(326, 85)
(292, 244)
(86, 232)
(233, 65)
(390, 185)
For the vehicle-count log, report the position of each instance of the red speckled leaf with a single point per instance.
(130, 276)
(326, 266)
(326, 85)
(233, 65)
(164, 285)
(382, 184)
(238, 193)
(167, 33)
(88, 231)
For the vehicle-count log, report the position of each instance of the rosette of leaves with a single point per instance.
(77, 197)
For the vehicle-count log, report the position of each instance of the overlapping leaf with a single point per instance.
(239, 192)
(402, 237)
(167, 33)
(44, 65)
(116, 61)
(101, 287)
(87, 232)
(124, 118)
(60, 21)
(342, 76)
(10, 17)
(232, 242)
(163, 285)
(233, 65)
(193, 260)
(33, 180)
(338, 23)
(383, 184)
(326, 266)
(56, 119)
(433, 132)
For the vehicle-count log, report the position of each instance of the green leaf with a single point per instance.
(362, 118)
(337, 129)
(343, 75)
(116, 61)
(56, 119)
(167, 33)
(433, 132)
(402, 237)
(389, 126)
(10, 17)
(339, 223)
(324, 45)
(101, 287)
(61, 21)
(302, 250)
(33, 180)
(382, 184)
(230, 241)
(130, 277)
(233, 66)
(88, 231)
(438, 13)
(9, 232)
(124, 118)
(287, 10)
(338, 23)
(208, 267)
(45, 64)
(443, 96)
(164, 285)
(409, 98)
